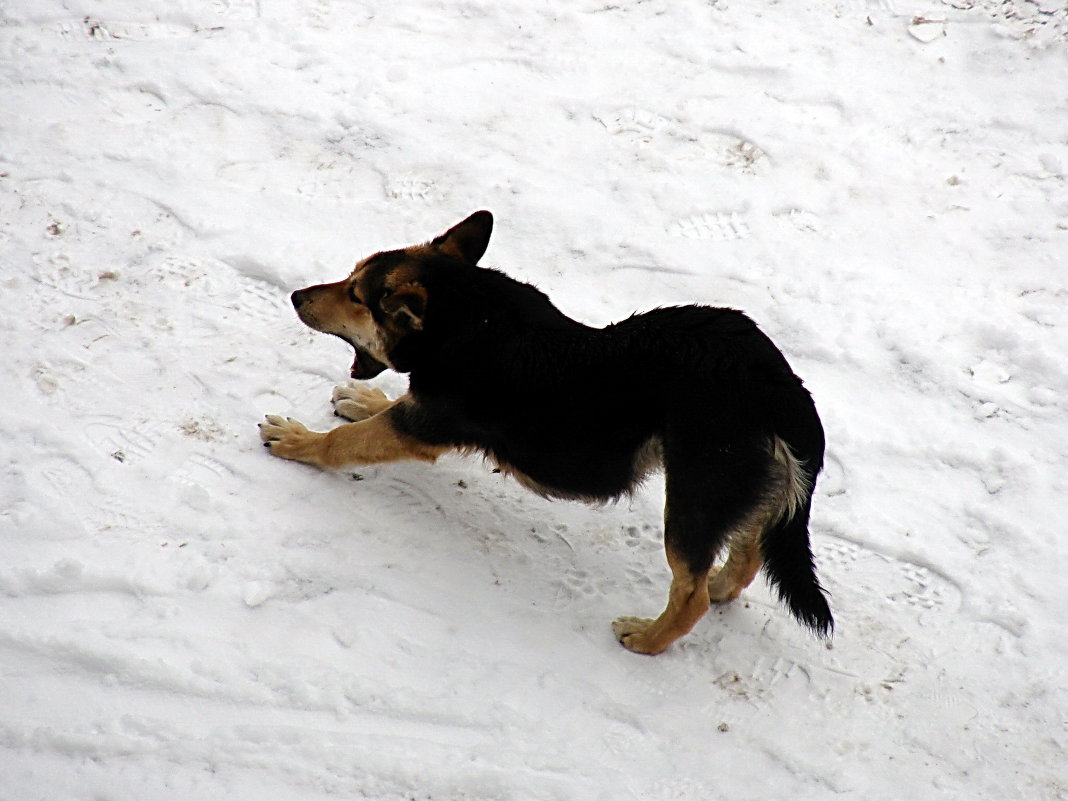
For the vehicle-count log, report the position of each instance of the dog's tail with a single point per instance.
(784, 545)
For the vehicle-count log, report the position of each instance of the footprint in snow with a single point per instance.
(640, 128)
(123, 441)
(722, 226)
(237, 9)
(58, 274)
(412, 186)
(200, 470)
(908, 588)
(71, 386)
(97, 30)
(800, 220)
(634, 126)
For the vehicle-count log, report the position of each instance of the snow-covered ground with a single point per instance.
(882, 185)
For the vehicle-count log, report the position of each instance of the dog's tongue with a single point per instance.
(355, 365)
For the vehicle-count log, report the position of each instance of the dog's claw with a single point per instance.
(290, 439)
(273, 420)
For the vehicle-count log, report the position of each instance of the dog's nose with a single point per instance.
(299, 298)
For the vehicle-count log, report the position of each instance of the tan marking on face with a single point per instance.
(333, 309)
(407, 272)
(340, 308)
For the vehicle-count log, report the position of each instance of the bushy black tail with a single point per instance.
(785, 547)
(789, 567)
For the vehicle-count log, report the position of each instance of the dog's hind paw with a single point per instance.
(356, 401)
(632, 634)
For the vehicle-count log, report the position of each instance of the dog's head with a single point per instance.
(385, 298)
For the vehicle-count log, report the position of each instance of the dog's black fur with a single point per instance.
(580, 412)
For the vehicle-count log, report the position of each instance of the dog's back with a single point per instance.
(578, 412)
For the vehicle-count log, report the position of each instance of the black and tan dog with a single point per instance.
(578, 412)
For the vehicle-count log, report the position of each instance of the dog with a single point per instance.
(571, 411)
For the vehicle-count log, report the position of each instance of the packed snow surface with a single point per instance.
(883, 186)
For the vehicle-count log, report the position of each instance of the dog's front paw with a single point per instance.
(289, 439)
(356, 401)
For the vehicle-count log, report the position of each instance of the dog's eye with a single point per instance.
(354, 297)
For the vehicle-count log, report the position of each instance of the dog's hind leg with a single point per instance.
(687, 603)
(785, 489)
(742, 565)
(712, 493)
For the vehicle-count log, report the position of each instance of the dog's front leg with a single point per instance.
(356, 401)
(370, 441)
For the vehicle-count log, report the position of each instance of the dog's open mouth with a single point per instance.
(364, 365)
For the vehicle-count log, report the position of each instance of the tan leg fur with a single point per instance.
(743, 563)
(370, 441)
(687, 603)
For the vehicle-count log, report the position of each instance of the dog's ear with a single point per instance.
(407, 303)
(469, 239)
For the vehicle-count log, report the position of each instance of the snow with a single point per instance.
(882, 185)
